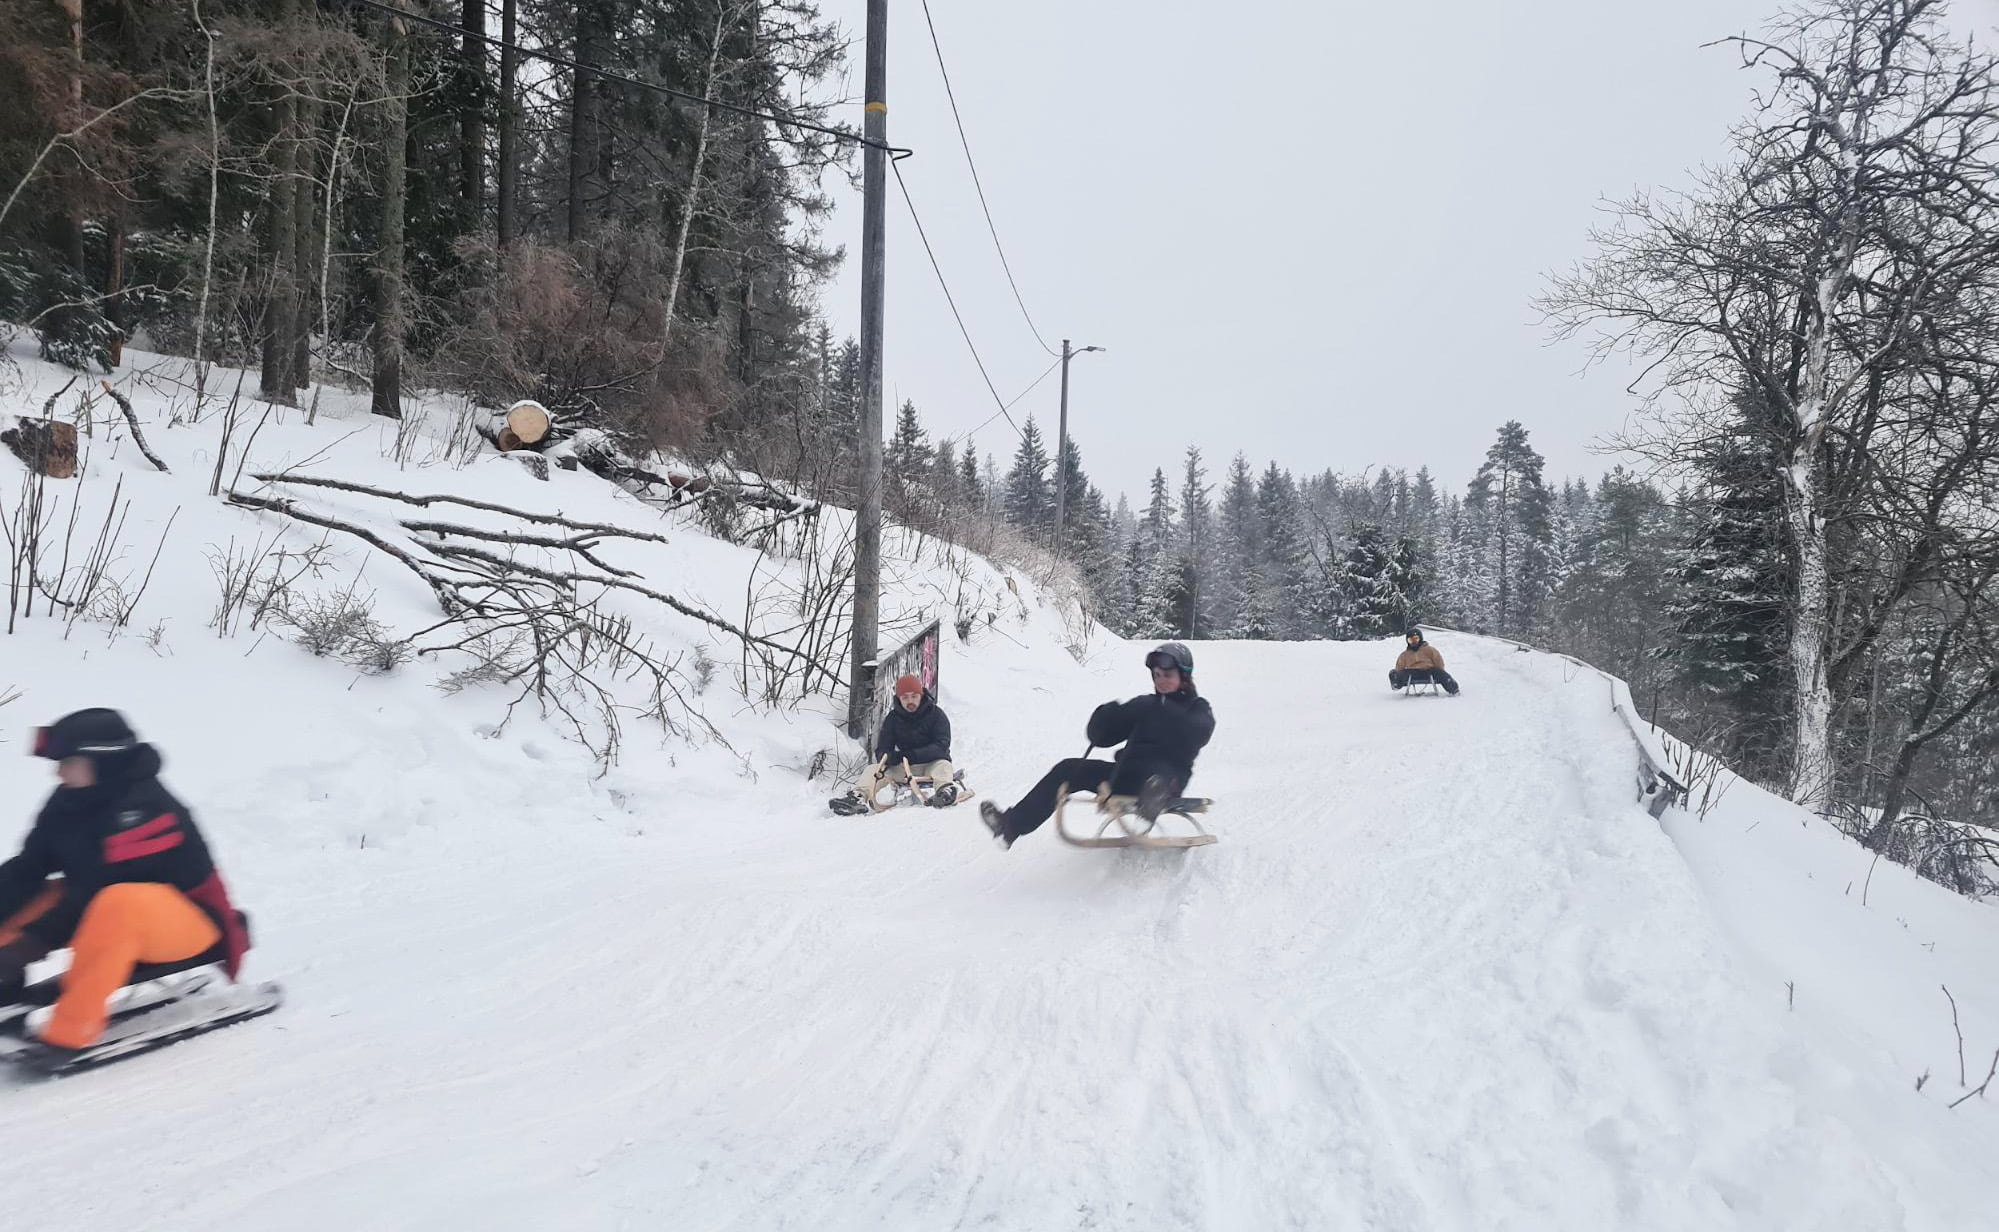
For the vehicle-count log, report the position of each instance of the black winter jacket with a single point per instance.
(127, 828)
(1161, 734)
(919, 737)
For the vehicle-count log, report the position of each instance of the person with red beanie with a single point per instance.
(915, 733)
(113, 869)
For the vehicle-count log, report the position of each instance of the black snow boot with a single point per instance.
(853, 804)
(944, 797)
(1153, 797)
(996, 822)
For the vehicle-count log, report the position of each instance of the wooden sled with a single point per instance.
(1120, 826)
(914, 789)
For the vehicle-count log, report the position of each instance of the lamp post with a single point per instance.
(1062, 445)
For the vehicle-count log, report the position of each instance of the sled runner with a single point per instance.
(1122, 825)
(164, 1005)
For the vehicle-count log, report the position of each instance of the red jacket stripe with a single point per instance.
(152, 829)
(117, 851)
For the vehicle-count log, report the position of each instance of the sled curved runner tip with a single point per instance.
(1121, 826)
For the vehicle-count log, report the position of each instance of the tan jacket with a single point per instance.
(1423, 658)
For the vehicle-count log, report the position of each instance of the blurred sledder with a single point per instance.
(1162, 733)
(115, 871)
(912, 755)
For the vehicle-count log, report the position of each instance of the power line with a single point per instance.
(549, 57)
(953, 301)
(966, 144)
(1035, 384)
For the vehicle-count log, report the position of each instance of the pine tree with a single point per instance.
(971, 490)
(1155, 573)
(1425, 527)
(1237, 610)
(944, 473)
(1287, 589)
(1363, 591)
(1729, 611)
(1514, 524)
(1030, 503)
(908, 452)
(1080, 533)
(906, 463)
(1194, 595)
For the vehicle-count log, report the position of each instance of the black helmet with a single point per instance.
(95, 732)
(1171, 654)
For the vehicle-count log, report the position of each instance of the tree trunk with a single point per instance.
(303, 230)
(114, 289)
(472, 121)
(584, 136)
(1811, 757)
(692, 199)
(509, 123)
(282, 241)
(73, 215)
(388, 383)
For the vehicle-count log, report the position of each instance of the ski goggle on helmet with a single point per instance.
(1171, 656)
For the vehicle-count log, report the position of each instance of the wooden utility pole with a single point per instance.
(1062, 447)
(1062, 456)
(868, 527)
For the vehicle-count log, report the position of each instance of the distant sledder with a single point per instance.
(115, 871)
(1162, 733)
(912, 753)
(1419, 664)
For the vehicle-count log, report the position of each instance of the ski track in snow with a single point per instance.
(1439, 973)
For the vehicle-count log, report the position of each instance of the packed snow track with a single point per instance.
(1440, 972)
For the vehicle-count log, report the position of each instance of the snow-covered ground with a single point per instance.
(1440, 972)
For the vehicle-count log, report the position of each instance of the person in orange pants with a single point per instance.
(115, 870)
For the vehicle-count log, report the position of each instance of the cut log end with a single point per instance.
(45, 446)
(529, 421)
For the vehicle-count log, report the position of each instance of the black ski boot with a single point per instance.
(996, 822)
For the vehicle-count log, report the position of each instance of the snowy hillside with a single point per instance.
(1440, 972)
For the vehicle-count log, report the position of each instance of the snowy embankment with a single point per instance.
(1440, 972)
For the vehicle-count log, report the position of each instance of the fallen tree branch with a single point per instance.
(49, 407)
(424, 502)
(1961, 1079)
(1980, 1089)
(132, 422)
(579, 544)
(572, 579)
(447, 596)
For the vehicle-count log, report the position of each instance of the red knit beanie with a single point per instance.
(908, 684)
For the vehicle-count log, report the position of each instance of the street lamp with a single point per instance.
(1062, 444)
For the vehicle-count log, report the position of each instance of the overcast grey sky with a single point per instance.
(1309, 231)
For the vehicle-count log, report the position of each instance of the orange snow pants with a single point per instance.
(125, 924)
